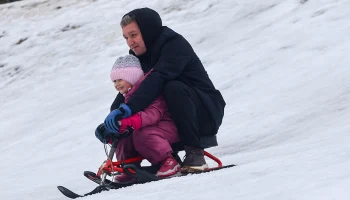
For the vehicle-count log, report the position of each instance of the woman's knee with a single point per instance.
(175, 89)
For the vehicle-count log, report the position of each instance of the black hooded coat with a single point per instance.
(172, 58)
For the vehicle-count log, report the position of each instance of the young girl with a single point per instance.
(154, 130)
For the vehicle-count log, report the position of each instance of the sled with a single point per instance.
(145, 174)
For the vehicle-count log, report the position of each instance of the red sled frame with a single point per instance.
(144, 175)
(110, 167)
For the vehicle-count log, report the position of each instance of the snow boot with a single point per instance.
(194, 160)
(169, 167)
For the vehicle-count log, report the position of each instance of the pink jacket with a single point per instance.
(154, 138)
(155, 115)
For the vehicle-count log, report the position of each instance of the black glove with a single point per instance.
(102, 134)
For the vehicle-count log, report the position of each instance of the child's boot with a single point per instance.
(169, 167)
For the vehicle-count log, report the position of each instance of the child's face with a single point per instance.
(122, 86)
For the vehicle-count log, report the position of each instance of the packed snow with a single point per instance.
(281, 65)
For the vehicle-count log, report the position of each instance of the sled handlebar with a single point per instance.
(116, 138)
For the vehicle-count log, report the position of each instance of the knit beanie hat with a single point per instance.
(127, 68)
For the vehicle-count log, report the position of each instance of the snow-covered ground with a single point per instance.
(282, 66)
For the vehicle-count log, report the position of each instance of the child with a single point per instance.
(154, 130)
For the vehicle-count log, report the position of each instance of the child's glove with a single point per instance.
(133, 121)
(116, 115)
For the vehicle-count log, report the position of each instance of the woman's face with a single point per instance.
(133, 37)
(122, 86)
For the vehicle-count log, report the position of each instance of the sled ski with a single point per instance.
(109, 185)
(144, 174)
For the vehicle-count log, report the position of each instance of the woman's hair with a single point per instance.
(127, 19)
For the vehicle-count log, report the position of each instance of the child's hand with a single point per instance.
(133, 121)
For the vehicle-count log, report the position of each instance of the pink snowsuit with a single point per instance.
(152, 141)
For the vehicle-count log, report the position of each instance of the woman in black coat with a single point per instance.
(193, 102)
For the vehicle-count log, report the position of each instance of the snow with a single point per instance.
(281, 65)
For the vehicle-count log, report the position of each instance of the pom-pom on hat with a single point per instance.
(127, 68)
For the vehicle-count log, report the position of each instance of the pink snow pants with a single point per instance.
(150, 142)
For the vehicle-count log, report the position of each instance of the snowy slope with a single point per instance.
(282, 66)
